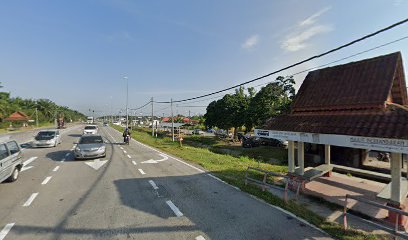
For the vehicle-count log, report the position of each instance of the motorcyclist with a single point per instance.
(126, 134)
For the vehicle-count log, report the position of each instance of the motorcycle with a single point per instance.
(127, 139)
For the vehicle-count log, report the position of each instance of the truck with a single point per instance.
(90, 120)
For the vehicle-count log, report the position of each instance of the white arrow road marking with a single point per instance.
(174, 208)
(28, 161)
(200, 238)
(6, 230)
(46, 180)
(96, 164)
(56, 168)
(30, 199)
(165, 157)
(141, 171)
(134, 163)
(155, 187)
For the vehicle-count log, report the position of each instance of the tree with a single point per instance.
(272, 100)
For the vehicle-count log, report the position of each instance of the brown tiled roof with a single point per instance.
(364, 98)
(17, 116)
(392, 123)
(356, 85)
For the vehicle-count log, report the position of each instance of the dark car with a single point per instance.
(272, 142)
(250, 142)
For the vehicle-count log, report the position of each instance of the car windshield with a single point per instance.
(90, 127)
(45, 135)
(91, 140)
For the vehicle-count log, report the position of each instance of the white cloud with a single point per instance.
(312, 19)
(251, 42)
(304, 31)
(298, 41)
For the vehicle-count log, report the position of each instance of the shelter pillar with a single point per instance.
(301, 157)
(327, 157)
(396, 184)
(291, 157)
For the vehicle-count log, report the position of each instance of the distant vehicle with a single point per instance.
(273, 142)
(90, 146)
(117, 123)
(250, 142)
(10, 160)
(198, 132)
(90, 129)
(61, 123)
(105, 124)
(47, 138)
(89, 120)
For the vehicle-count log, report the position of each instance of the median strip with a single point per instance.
(174, 208)
(30, 199)
(6, 230)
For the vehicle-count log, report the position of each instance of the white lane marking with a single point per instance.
(6, 230)
(28, 161)
(121, 148)
(200, 238)
(155, 187)
(46, 180)
(129, 156)
(216, 178)
(124, 151)
(56, 168)
(30, 199)
(26, 168)
(66, 155)
(141, 171)
(174, 208)
(63, 160)
(134, 163)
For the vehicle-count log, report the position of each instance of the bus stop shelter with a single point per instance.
(359, 105)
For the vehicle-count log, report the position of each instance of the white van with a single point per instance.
(10, 160)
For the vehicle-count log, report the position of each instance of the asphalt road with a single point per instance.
(136, 193)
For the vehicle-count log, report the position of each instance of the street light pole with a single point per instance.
(127, 98)
(152, 119)
(172, 120)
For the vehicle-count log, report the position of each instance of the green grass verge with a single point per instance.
(232, 169)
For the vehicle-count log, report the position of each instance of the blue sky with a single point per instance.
(77, 52)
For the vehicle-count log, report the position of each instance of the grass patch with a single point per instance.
(231, 169)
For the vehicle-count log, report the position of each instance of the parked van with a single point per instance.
(10, 160)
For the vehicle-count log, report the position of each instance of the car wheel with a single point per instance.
(14, 175)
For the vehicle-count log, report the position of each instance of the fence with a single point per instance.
(398, 212)
(288, 181)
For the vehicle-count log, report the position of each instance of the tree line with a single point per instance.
(248, 108)
(47, 110)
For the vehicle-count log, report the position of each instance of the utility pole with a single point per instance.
(127, 97)
(152, 119)
(172, 120)
(36, 116)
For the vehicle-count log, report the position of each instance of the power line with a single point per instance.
(134, 109)
(299, 63)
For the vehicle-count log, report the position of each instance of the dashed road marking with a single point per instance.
(134, 163)
(174, 208)
(6, 230)
(30, 199)
(124, 151)
(121, 148)
(155, 187)
(141, 171)
(200, 238)
(129, 156)
(63, 160)
(46, 180)
(56, 168)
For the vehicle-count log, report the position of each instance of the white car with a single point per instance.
(47, 138)
(90, 129)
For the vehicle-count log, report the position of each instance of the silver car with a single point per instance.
(47, 138)
(90, 129)
(10, 160)
(90, 146)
